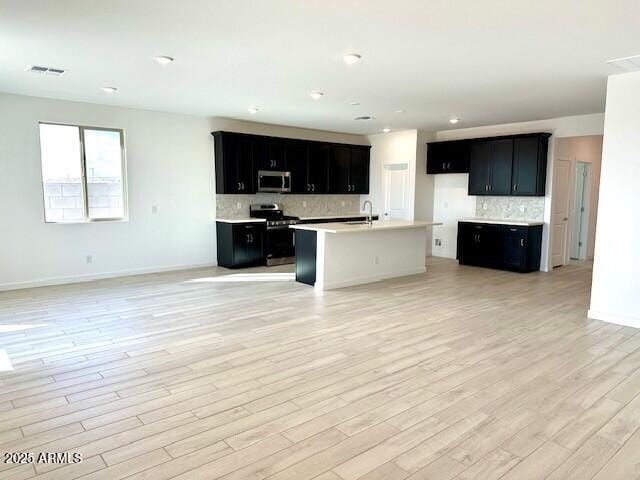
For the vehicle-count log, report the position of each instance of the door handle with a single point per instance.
(565, 219)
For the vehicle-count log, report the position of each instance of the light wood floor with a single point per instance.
(461, 373)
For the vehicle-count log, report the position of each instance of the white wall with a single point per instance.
(169, 164)
(386, 149)
(450, 203)
(615, 292)
(424, 189)
(559, 127)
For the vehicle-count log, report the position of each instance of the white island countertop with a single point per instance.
(519, 223)
(349, 227)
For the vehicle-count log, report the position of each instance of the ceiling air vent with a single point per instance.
(626, 64)
(56, 72)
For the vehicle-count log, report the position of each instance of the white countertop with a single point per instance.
(341, 227)
(521, 223)
(240, 220)
(322, 217)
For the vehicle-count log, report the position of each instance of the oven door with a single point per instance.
(274, 181)
(279, 245)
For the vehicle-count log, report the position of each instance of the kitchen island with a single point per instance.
(335, 255)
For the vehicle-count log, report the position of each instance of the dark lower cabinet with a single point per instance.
(240, 244)
(506, 247)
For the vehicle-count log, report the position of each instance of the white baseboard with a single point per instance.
(612, 318)
(99, 276)
(349, 282)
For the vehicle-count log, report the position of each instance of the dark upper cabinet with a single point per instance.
(530, 165)
(506, 247)
(339, 169)
(480, 168)
(316, 167)
(349, 169)
(269, 153)
(448, 157)
(240, 244)
(308, 163)
(490, 167)
(235, 171)
(501, 161)
(359, 174)
(296, 154)
(514, 165)
(317, 173)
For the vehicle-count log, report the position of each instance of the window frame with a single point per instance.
(83, 173)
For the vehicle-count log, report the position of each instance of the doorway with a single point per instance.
(560, 212)
(580, 213)
(395, 190)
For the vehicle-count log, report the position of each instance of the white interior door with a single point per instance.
(560, 212)
(395, 190)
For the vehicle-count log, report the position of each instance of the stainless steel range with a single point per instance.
(278, 246)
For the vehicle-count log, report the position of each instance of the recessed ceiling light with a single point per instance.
(386, 130)
(351, 58)
(163, 59)
(365, 117)
(454, 121)
(354, 104)
(400, 111)
(253, 110)
(109, 89)
(317, 95)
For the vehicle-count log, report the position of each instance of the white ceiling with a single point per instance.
(485, 61)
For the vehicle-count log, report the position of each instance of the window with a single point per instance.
(83, 173)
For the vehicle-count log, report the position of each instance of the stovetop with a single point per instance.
(272, 214)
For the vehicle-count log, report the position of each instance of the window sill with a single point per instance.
(82, 222)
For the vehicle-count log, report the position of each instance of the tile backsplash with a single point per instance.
(237, 206)
(505, 208)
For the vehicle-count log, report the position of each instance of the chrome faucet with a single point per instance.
(370, 216)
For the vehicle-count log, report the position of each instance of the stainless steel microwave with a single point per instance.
(269, 181)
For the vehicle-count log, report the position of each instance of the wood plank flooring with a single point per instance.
(461, 373)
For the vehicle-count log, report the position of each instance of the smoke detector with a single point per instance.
(626, 64)
(56, 72)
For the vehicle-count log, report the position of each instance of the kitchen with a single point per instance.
(278, 171)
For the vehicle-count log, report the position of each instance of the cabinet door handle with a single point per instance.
(522, 242)
(515, 187)
(444, 166)
(313, 187)
(239, 186)
(449, 166)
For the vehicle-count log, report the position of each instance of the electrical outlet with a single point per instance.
(343, 203)
(446, 205)
(304, 204)
(485, 206)
(238, 205)
(438, 242)
(89, 258)
(154, 209)
(376, 260)
(522, 208)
